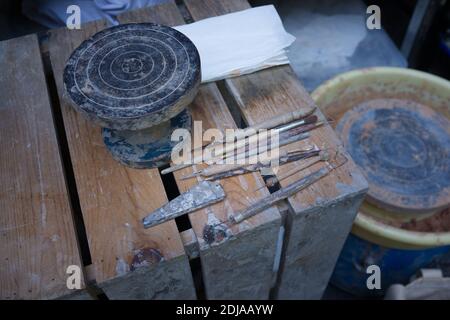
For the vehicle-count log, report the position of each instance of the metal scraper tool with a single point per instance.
(199, 196)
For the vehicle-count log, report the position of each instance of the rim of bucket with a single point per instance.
(350, 75)
(392, 237)
(364, 226)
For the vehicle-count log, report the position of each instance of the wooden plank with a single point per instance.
(38, 240)
(114, 199)
(322, 214)
(241, 268)
(239, 265)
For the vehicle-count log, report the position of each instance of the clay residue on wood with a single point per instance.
(215, 233)
(145, 257)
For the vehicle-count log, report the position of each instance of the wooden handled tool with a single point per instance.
(286, 118)
(223, 166)
(220, 168)
(217, 169)
(258, 166)
(283, 141)
(230, 147)
(323, 156)
(288, 191)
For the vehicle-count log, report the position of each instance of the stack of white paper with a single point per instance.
(239, 43)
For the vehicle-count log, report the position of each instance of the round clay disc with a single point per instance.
(403, 148)
(146, 148)
(133, 76)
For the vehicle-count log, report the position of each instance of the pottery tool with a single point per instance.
(322, 156)
(287, 191)
(258, 166)
(229, 150)
(285, 138)
(219, 168)
(286, 121)
(135, 80)
(231, 157)
(201, 195)
(280, 123)
(253, 135)
(306, 128)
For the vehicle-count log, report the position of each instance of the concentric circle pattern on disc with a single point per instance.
(404, 150)
(133, 76)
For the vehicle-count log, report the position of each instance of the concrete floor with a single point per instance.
(332, 38)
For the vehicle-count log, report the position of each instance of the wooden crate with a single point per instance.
(108, 200)
(38, 240)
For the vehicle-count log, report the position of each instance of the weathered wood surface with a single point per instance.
(37, 233)
(238, 263)
(321, 215)
(129, 262)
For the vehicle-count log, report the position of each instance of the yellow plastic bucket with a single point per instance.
(341, 93)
